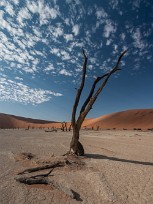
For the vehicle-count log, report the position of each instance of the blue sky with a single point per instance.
(41, 60)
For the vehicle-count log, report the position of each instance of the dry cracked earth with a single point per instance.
(118, 167)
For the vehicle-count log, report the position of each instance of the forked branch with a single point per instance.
(91, 92)
(91, 99)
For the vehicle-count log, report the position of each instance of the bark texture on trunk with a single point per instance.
(75, 146)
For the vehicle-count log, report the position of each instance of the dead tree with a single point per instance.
(97, 128)
(70, 127)
(66, 127)
(75, 146)
(63, 126)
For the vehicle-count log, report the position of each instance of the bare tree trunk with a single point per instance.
(75, 139)
(75, 146)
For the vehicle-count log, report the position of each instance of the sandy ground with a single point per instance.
(119, 167)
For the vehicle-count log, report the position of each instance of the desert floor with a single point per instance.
(119, 167)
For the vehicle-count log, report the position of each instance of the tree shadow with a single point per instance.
(99, 156)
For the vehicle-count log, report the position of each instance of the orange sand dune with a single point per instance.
(130, 119)
(11, 121)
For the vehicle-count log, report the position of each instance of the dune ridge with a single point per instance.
(130, 119)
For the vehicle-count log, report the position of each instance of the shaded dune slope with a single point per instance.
(11, 121)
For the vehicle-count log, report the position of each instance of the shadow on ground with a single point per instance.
(99, 156)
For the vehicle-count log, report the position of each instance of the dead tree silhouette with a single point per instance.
(75, 146)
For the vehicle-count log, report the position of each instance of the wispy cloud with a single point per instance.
(18, 92)
(137, 37)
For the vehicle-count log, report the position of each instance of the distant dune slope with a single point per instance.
(11, 121)
(130, 119)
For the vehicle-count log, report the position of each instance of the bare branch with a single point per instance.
(87, 106)
(80, 88)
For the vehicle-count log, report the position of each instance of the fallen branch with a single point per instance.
(54, 130)
(47, 166)
(42, 180)
(42, 175)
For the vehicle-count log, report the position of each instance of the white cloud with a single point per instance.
(9, 9)
(90, 67)
(68, 1)
(52, 12)
(58, 31)
(108, 42)
(93, 60)
(32, 6)
(23, 14)
(68, 37)
(45, 12)
(56, 51)
(18, 92)
(115, 47)
(61, 53)
(67, 21)
(9, 26)
(114, 4)
(100, 13)
(65, 55)
(122, 36)
(37, 32)
(75, 29)
(15, 1)
(137, 37)
(65, 72)
(49, 68)
(109, 28)
(19, 78)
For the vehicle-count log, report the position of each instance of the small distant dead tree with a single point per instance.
(75, 146)
(70, 127)
(28, 127)
(97, 128)
(62, 126)
(66, 127)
